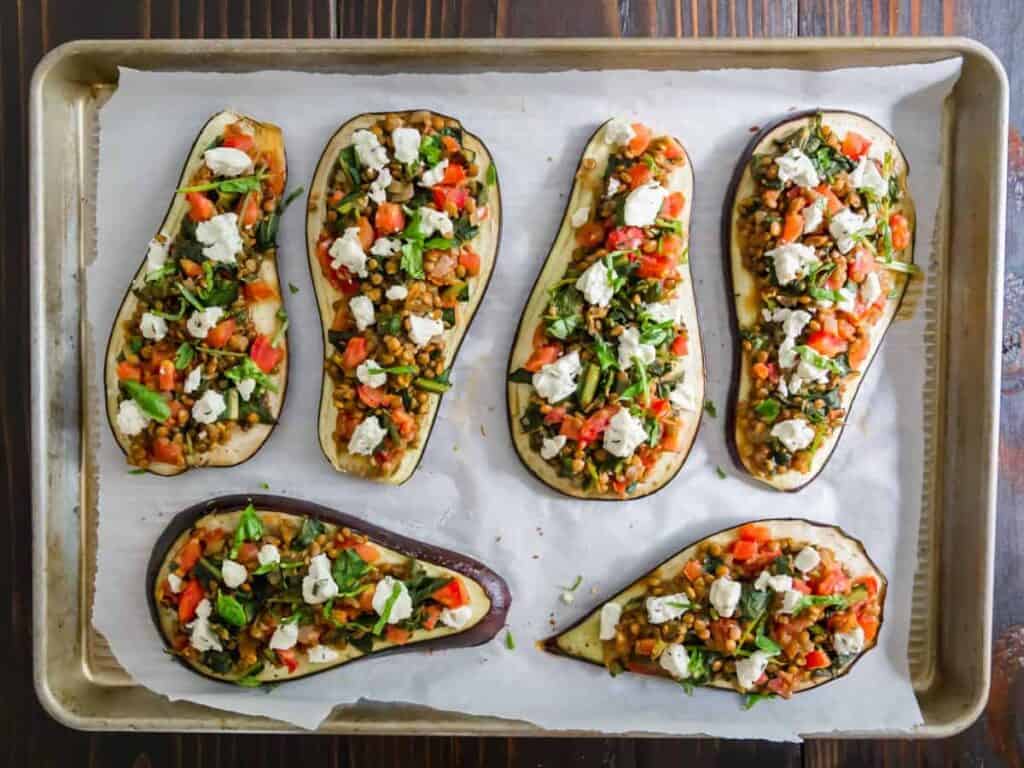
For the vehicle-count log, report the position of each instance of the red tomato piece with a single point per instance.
(590, 234)
(470, 261)
(454, 594)
(673, 151)
(454, 174)
(755, 532)
(220, 333)
(242, 141)
(355, 352)
(543, 356)
(596, 424)
(655, 266)
(201, 207)
(372, 397)
(571, 426)
(190, 597)
(792, 227)
(166, 375)
(855, 146)
(554, 416)
(900, 228)
(264, 354)
(389, 218)
(640, 140)
(128, 372)
(834, 582)
(673, 206)
(639, 174)
(744, 550)
(816, 660)
(693, 570)
(259, 290)
(189, 555)
(863, 264)
(250, 210)
(397, 635)
(680, 345)
(826, 343)
(166, 452)
(443, 195)
(624, 239)
(288, 659)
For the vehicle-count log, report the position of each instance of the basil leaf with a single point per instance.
(150, 403)
(439, 244)
(430, 149)
(753, 602)
(521, 376)
(766, 644)
(311, 528)
(386, 613)
(492, 175)
(183, 357)
(250, 528)
(347, 570)
(412, 260)
(230, 610)
(768, 410)
(248, 369)
(605, 357)
(347, 160)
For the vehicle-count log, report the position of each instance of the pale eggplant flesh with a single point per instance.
(746, 301)
(485, 593)
(588, 187)
(330, 296)
(265, 312)
(865, 582)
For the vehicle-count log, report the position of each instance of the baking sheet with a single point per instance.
(478, 498)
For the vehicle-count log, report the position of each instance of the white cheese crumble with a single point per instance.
(618, 132)
(401, 609)
(175, 583)
(156, 256)
(556, 381)
(580, 216)
(362, 311)
(791, 261)
(369, 151)
(610, 615)
(130, 418)
(624, 433)
(285, 636)
(676, 661)
(725, 596)
(366, 437)
(318, 585)
(407, 144)
(664, 311)
(423, 328)
(209, 407)
(552, 446)
(432, 221)
(220, 238)
(227, 161)
(614, 185)
(814, 214)
(790, 600)
(379, 186)
(268, 555)
(846, 226)
(385, 246)
(793, 321)
(866, 176)
(396, 293)
(201, 322)
(321, 654)
(750, 669)
(682, 396)
(203, 638)
(152, 326)
(433, 176)
(245, 388)
(346, 251)
(847, 299)
(234, 574)
(788, 356)
(807, 559)
(631, 347)
(780, 583)
(662, 609)
(795, 434)
(643, 204)
(371, 379)
(797, 167)
(849, 643)
(456, 618)
(871, 289)
(193, 380)
(595, 286)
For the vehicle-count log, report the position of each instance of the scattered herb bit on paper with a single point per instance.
(139, 471)
(510, 642)
(293, 287)
(709, 406)
(265, 486)
(720, 472)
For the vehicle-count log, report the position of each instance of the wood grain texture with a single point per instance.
(28, 28)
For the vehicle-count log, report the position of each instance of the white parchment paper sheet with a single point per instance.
(471, 493)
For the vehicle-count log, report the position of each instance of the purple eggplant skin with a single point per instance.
(550, 644)
(493, 584)
(726, 224)
(510, 417)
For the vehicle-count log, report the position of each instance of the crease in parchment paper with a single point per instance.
(471, 493)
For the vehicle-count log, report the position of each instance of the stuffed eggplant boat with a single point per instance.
(197, 359)
(819, 230)
(606, 376)
(403, 225)
(769, 608)
(266, 589)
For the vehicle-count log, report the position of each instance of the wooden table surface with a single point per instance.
(28, 29)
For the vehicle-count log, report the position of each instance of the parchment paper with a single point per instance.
(470, 493)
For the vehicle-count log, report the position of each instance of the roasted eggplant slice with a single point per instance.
(772, 607)
(819, 228)
(197, 360)
(252, 590)
(606, 375)
(404, 220)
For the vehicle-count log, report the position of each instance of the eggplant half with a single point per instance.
(266, 589)
(197, 360)
(402, 231)
(771, 607)
(606, 375)
(819, 231)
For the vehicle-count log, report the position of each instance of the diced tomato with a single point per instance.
(190, 268)
(431, 614)
(870, 626)
(220, 333)
(671, 246)
(265, 354)
(454, 174)
(189, 555)
(543, 356)
(868, 582)
(366, 235)
(619, 485)
(845, 329)
(816, 660)
(826, 343)
(397, 635)
(248, 552)
(355, 353)
(900, 229)
(645, 646)
(859, 349)
(801, 586)
(201, 207)
(764, 371)
(372, 397)
(288, 659)
(242, 141)
(659, 407)
(259, 290)
(366, 599)
(855, 146)
(389, 218)
(655, 266)
(590, 234)
(639, 174)
(673, 206)
(189, 597)
(445, 195)
(367, 552)
(834, 582)
(792, 227)
(571, 426)
(166, 452)
(863, 264)
(596, 424)
(453, 595)
(128, 372)
(166, 375)
(834, 204)
(250, 210)
(680, 345)
(555, 415)
(540, 335)
(693, 570)
(470, 261)
(624, 239)
(450, 144)
(671, 436)
(755, 532)
(405, 422)
(743, 550)
(780, 687)
(673, 151)
(640, 140)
